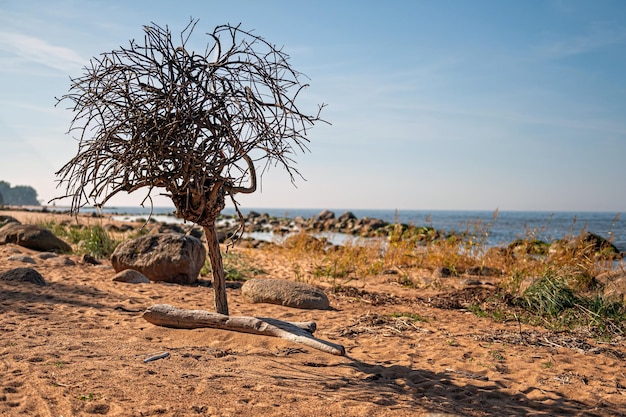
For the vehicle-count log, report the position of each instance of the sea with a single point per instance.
(494, 228)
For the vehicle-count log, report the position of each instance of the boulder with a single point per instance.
(587, 243)
(521, 247)
(130, 276)
(348, 215)
(32, 237)
(305, 241)
(4, 220)
(23, 275)
(285, 293)
(326, 215)
(168, 257)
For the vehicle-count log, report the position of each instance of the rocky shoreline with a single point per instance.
(326, 221)
(351, 226)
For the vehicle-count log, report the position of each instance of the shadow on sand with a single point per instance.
(465, 395)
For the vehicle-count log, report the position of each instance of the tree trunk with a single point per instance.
(169, 316)
(217, 269)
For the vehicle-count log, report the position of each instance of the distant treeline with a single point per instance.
(20, 195)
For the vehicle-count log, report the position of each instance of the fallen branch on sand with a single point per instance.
(298, 332)
(157, 357)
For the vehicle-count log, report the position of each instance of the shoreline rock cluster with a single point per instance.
(175, 253)
(348, 224)
(326, 221)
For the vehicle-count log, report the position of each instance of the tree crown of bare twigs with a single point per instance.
(158, 115)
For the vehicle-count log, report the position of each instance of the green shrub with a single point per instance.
(549, 296)
(96, 241)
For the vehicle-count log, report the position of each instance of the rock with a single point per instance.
(369, 225)
(588, 244)
(23, 275)
(598, 243)
(168, 257)
(22, 258)
(348, 215)
(32, 237)
(118, 228)
(130, 276)
(196, 232)
(484, 271)
(442, 272)
(60, 261)
(88, 259)
(254, 243)
(440, 415)
(285, 293)
(4, 220)
(305, 241)
(471, 282)
(326, 215)
(47, 255)
(168, 228)
(13, 249)
(521, 247)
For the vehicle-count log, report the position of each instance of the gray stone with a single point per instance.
(484, 271)
(90, 260)
(23, 275)
(4, 220)
(168, 257)
(285, 293)
(326, 215)
(32, 237)
(442, 272)
(60, 261)
(130, 276)
(471, 282)
(22, 258)
(348, 215)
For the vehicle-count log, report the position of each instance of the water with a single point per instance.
(503, 227)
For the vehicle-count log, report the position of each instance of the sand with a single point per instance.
(77, 346)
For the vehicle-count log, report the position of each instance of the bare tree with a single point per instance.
(200, 125)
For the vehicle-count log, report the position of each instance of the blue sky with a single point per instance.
(470, 105)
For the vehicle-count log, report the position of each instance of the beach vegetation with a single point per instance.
(530, 281)
(92, 240)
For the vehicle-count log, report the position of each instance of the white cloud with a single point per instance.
(32, 50)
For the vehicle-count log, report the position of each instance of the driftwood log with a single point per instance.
(298, 332)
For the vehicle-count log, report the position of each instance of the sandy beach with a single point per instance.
(76, 347)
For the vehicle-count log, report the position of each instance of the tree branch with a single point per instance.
(169, 316)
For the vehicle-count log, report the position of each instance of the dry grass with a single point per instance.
(552, 285)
